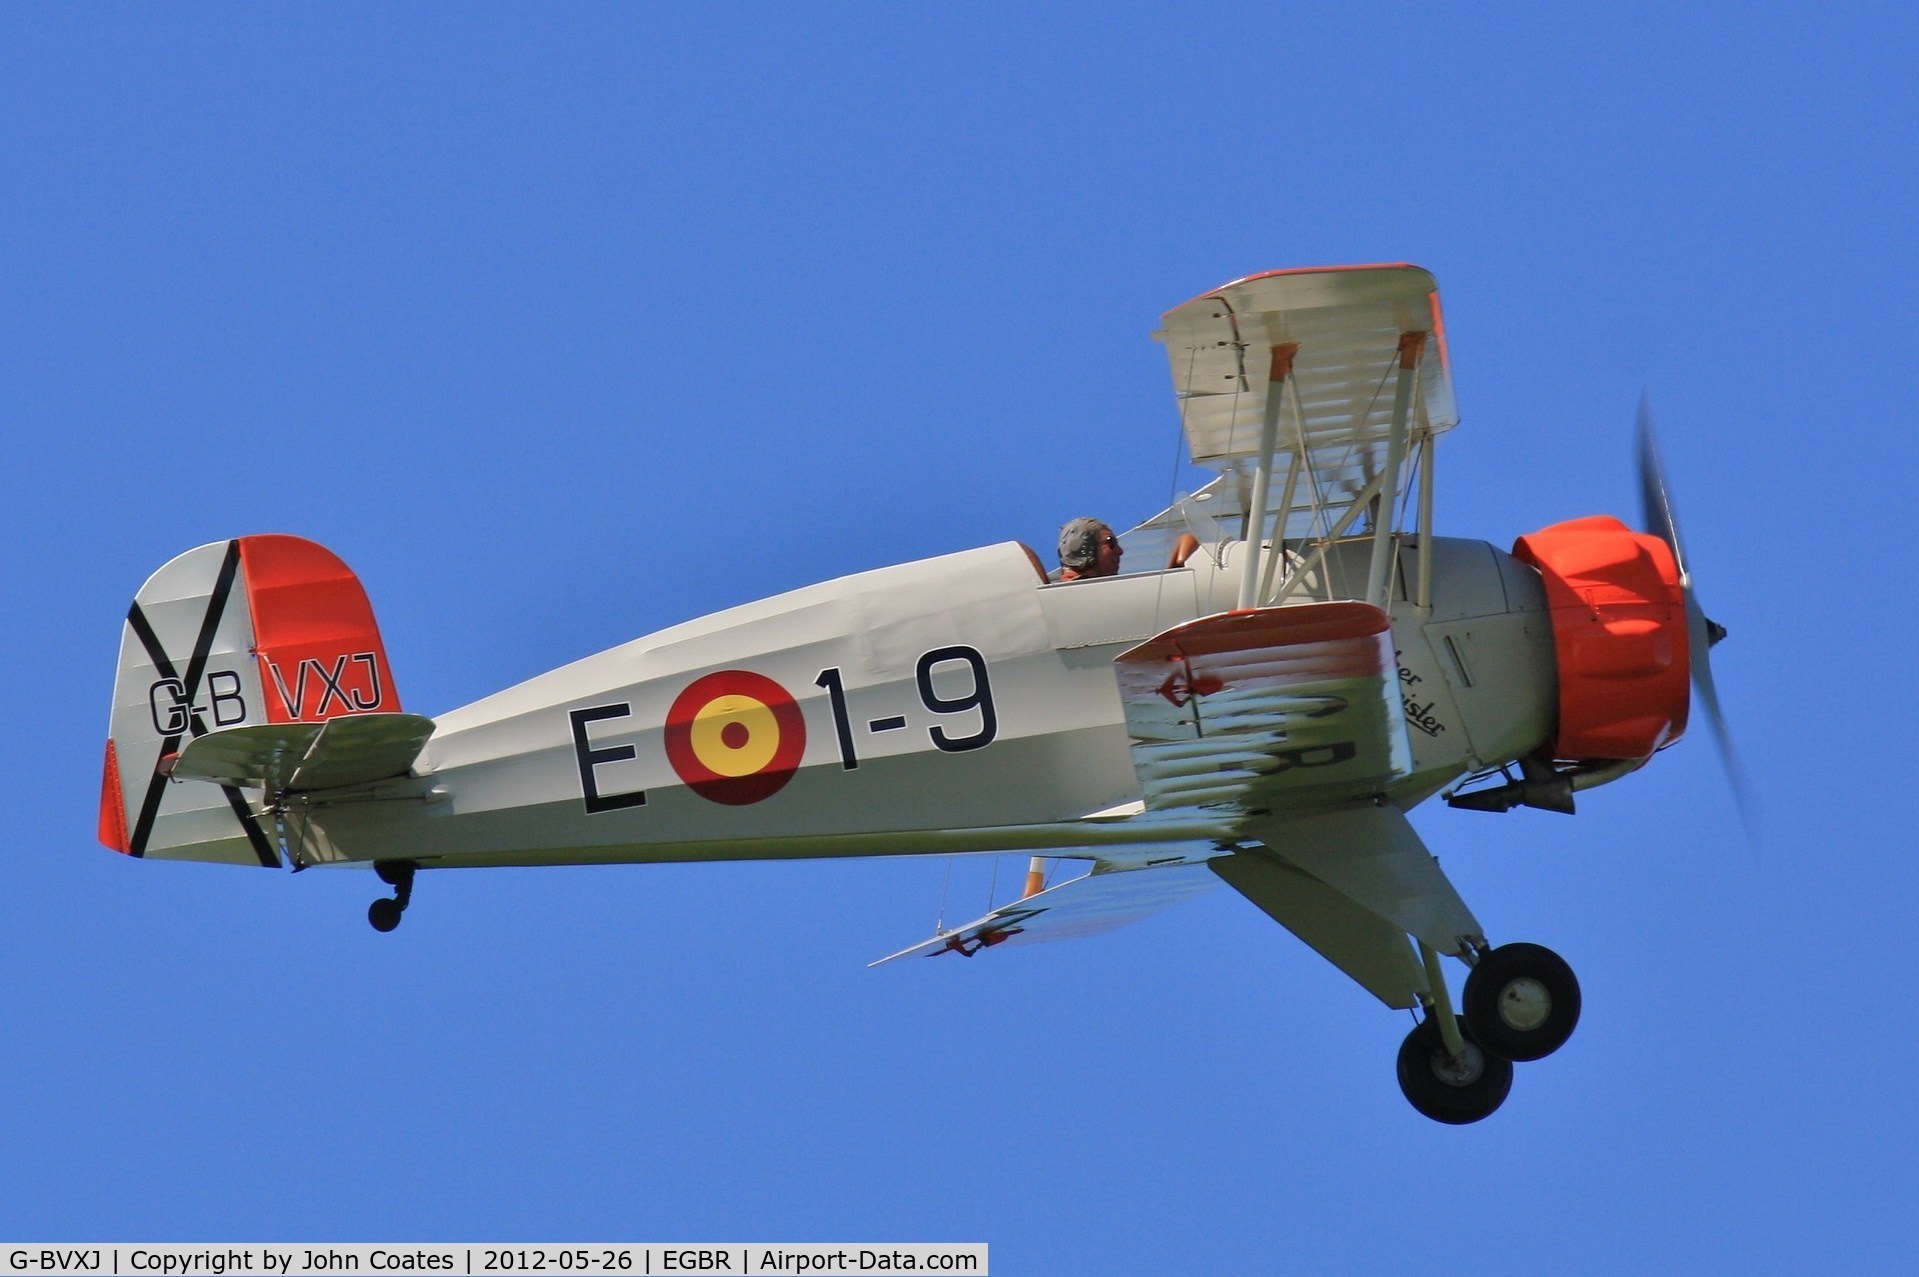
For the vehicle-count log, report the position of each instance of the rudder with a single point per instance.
(255, 630)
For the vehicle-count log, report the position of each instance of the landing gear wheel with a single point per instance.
(384, 914)
(1522, 1001)
(1447, 1090)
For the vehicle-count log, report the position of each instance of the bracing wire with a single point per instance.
(939, 926)
(1179, 438)
(1372, 405)
(1172, 479)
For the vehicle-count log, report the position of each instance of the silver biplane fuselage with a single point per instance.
(956, 704)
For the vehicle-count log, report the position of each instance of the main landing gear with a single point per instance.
(1455, 1089)
(1521, 1003)
(385, 912)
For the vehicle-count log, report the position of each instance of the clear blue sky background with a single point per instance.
(565, 326)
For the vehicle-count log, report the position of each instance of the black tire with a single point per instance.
(384, 914)
(1521, 1001)
(1456, 1093)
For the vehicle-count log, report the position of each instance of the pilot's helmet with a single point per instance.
(1079, 542)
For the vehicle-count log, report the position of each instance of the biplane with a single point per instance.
(1290, 663)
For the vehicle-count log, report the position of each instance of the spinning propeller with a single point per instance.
(1656, 511)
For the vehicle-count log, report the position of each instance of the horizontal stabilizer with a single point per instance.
(1085, 906)
(278, 757)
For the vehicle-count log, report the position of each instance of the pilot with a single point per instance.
(1088, 548)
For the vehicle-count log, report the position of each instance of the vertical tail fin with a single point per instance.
(256, 630)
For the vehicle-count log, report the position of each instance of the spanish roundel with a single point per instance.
(735, 737)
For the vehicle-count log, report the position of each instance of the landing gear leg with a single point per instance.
(1444, 1073)
(1441, 1006)
(385, 912)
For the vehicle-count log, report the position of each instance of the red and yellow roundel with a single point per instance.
(735, 737)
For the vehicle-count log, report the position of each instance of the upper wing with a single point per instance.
(1347, 324)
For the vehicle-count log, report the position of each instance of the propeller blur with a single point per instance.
(1703, 633)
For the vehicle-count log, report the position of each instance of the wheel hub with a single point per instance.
(1463, 1071)
(1525, 1004)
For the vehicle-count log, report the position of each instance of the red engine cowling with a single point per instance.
(1619, 632)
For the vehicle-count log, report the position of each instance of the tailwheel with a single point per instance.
(1522, 1001)
(385, 912)
(1448, 1089)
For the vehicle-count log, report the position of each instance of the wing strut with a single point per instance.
(1277, 375)
(1378, 586)
(1424, 596)
(1297, 576)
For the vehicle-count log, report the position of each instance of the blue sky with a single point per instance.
(565, 326)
